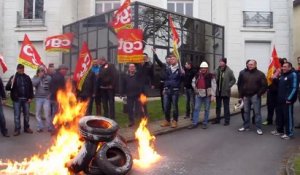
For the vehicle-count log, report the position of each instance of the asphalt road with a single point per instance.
(218, 150)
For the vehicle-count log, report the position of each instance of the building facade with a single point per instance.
(252, 27)
(296, 32)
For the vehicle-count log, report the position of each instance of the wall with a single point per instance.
(296, 31)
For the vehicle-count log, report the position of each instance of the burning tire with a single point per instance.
(99, 129)
(84, 157)
(122, 158)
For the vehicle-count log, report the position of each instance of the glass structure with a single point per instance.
(199, 40)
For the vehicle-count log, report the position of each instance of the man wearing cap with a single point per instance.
(41, 83)
(225, 80)
(21, 93)
(57, 82)
(204, 85)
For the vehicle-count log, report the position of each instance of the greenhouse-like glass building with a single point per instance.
(199, 40)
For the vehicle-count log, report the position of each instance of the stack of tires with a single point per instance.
(104, 152)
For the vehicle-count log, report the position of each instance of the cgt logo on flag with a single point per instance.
(2, 64)
(28, 55)
(83, 66)
(130, 48)
(122, 18)
(59, 43)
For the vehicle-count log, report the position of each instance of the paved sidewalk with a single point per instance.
(156, 129)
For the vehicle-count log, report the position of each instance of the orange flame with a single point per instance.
(143, 98)
(147, 154)
(65, 146)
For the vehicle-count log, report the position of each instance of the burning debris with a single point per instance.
(96, 149)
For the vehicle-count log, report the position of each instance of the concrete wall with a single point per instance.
(296, 31)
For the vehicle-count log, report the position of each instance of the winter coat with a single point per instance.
(22, 87)
(225, 80)
(252, 82)
(288, 87)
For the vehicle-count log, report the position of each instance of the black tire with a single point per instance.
(113, 149)
(98, 125)
(98, 129)
(84, 157)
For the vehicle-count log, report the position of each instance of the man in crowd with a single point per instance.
(107, 78)
(3, 128)
(225, 80)
(132, 88)
(88, 90)
(172, 82)
(41, 83)
(163, 67)
(204, 85)
(287, 95)
(57, 82)
(190, 72)
(253, 85)
(21, 93)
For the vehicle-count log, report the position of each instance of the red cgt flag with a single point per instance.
(59, 43)
(28, 55)
(274, 64)
(122, 18)
(2, 64)
(83, 66)
(130, 48)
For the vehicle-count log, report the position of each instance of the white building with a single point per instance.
(252, 27)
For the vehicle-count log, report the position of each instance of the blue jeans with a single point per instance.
(21, 104)
(190, 102)
(256, 102)
(2, 120)
(171, 98)
(43, 104)
(198, 103)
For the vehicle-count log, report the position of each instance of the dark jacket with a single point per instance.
(163, 67)
(225, 80)
(89, 86)
(173, 79)
(147, 72)
(108, 76)
(21, 88)
(288, 87)
(131, 85)
(252, 82)
(2, 92)
(57, 82)
(188, 77)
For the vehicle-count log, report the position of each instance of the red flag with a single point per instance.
(174, 32)
(274, 65)
(122, 18)
(2, 64)
(28, 55)
(60, 43)
(130, 48)
(83, 66)
(175, 37)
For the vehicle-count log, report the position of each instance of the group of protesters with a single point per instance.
(201, 87)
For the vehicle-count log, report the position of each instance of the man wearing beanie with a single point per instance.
(225, 80)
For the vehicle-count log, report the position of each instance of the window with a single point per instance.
(184, 7)
(33, 9)
(104, 6)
